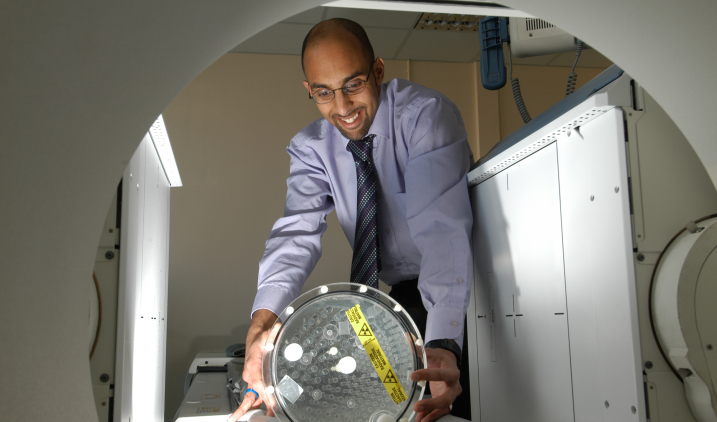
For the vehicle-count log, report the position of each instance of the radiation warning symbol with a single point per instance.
(390, 378)
(376, 355)
(365, 331)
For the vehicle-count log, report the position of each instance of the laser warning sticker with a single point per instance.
(375, 353)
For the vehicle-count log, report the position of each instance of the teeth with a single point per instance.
(352, 119)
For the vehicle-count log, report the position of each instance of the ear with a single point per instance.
(308, 88)
(378, 70)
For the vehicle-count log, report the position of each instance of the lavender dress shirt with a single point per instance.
(421, 156)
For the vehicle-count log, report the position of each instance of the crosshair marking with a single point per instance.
(514, 315)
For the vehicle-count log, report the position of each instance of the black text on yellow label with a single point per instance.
(375, 353)
(390, 378)
(365, 331)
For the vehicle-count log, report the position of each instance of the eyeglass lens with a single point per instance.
(352, 87)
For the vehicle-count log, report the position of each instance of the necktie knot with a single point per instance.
(362, 149)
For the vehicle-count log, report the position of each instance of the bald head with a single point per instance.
(333, 29)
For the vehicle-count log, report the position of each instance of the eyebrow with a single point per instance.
(346, 79)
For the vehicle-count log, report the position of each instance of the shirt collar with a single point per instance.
(381, 122)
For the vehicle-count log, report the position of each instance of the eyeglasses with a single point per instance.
(352, 87)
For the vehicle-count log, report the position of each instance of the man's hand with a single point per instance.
(443, 375)
(261, 323)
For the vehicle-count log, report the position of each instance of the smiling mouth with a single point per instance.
(351, 119)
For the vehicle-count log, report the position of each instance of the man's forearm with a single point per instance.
(261, 321)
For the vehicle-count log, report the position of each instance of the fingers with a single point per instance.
(252, 367)
(444, 393)
(253, 361)
(435, 403)
(433, 415)
(443, 374)
(253, 374)
(440, 358)
(268, 397)
(259, 330)
(432, 409)
(248, 402)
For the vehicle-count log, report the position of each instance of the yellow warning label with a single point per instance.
(375, 353)
(365, 331)
(390, 378)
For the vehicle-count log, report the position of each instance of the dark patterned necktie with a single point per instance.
(366, 261)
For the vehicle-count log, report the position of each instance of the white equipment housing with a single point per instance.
(684, 295)
(570, 215)
(206, 396)
(534, 37)
(131, 267)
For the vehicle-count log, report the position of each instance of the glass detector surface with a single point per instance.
(343, 352)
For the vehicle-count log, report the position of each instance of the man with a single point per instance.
(404, 148)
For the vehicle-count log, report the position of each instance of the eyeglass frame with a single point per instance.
(333, 91)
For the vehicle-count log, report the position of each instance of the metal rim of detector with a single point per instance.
(367, 293)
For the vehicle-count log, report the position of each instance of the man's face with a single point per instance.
(331, 64)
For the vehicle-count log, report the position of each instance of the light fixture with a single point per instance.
(160, 139)
(447, 22)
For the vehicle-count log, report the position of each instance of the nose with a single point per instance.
(343, 103)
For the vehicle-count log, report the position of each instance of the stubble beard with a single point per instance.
(356, 136)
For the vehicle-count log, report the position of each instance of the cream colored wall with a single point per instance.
(459, 86)
(229, 130)
(458, 82)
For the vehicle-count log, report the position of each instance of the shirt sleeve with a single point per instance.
(439, 214)
(294, 244)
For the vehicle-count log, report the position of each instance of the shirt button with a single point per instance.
(454, 324)
(388, 231)
(399, 264)
(459, 280)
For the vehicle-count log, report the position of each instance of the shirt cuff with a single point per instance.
(444, 322)
(272, 298)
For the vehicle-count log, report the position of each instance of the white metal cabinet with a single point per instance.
(552, 228)
(142, 325)
(523, 348)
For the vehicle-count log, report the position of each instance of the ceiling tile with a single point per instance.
(282, 38)
(458, 46)
(312, 16)
(386, 41)
(375, 18)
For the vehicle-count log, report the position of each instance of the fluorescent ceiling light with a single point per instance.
(469, 8)
(158, 133)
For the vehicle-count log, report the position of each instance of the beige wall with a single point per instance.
(457, 81)
(229, 130)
